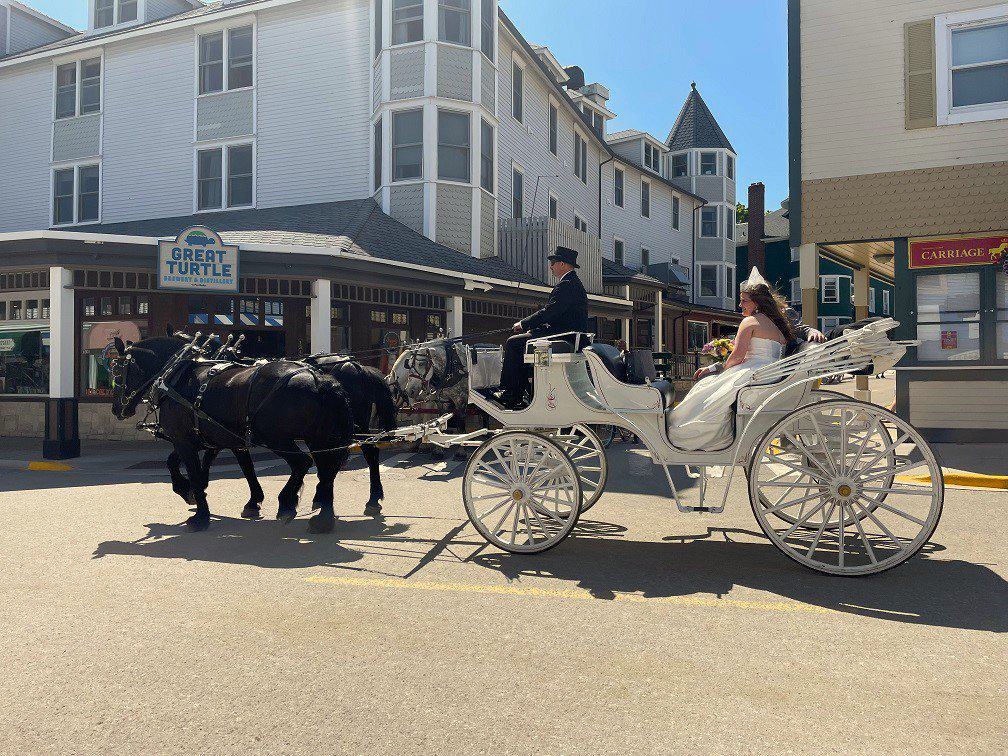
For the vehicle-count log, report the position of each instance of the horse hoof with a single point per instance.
(198, 522)
(322, 523)
(372, 510)
(251, 512)
(286, 515)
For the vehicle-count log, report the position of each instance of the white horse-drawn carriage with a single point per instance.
(841, 486)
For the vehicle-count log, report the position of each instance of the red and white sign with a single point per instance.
(957, 251)
(950, 339)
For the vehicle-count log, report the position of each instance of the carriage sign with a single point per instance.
(959, 250)
(197, 260)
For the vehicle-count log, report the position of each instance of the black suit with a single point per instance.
(566, 310)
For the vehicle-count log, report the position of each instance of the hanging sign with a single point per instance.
(957, 251)
(198, 260)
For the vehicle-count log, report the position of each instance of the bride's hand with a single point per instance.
(700, 373)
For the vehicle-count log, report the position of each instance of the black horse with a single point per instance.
(288, 407)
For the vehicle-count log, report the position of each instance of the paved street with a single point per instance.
(650, 632)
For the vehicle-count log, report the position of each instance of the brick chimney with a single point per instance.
(757, 226)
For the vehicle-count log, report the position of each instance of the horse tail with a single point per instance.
(381, 395)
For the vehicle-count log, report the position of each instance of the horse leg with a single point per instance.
(180, 483)
(256, 495)
(373, 506)
(300, 464)
(198, 481)
(327, 464)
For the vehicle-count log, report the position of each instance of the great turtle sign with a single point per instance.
(197, 259)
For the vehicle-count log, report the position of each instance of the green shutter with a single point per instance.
(919, 74)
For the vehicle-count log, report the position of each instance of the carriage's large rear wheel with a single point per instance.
(588, 454)
(841, 464)
(522, 492)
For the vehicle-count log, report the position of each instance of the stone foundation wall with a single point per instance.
(96, 422)
(22, 419)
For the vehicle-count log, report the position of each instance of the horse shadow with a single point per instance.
(264, 543)
(924, 590)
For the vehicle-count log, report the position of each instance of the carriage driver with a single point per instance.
(566, 310)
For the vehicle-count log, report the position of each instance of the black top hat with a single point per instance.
(564, 255)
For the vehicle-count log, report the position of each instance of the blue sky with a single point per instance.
(647, 52)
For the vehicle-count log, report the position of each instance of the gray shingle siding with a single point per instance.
(3, 30)
(75, 138)
(406, 205)
(406, 73)
(454, 73)
(224, 115)
(376, 77)
(711, 188)
(454, 217)
(488, 225)
(488, 95)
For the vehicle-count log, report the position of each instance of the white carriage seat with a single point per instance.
(615, 363)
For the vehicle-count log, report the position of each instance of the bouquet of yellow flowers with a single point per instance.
(719, 349)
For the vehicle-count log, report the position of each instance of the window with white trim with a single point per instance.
(675, 213)
(697, 334)
(680, 166)
(730, 167)
(230, 46)
(730, 282)
(76, 195)
(407, 21)
(830, 289)
(487, 41)
(453, 145)
(652, 157)
(618, 250)
(708, 222)
(517, 91)
(795, 291)
(730, 229)
(554, 121)
(517, 193)
(580, 224)
(645, 259)
(794, 254)
(553, 207)
(708, 278)
(378, 155)
(972, 65)
(645, 199)
(618, 188)
(708, 163)
(885, 301)
(78, 88)
(580, 158)
(453, 21)
(871, 300)
(486, 156)
(110, 12)
(224, 177)
(407, 145)
(828, 322)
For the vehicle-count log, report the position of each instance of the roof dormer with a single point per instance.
(106, 15)
(23, 28)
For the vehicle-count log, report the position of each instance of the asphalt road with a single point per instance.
(650, 632)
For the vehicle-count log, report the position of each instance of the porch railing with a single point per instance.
(526, 243)
(676, 367)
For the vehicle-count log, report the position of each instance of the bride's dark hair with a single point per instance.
(771, 304)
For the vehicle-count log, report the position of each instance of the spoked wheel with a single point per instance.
(840, 465)
(522, 492)
(606, 434)
(587, 452)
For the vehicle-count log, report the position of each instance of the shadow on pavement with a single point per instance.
(926, 591)
(986, 459)
(263, 543)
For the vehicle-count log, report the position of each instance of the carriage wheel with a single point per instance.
(606, 434)
(587, 452)
(878, 439)
(838, 463)
(522, 492)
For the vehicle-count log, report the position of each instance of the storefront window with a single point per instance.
(106, 307)
(1001, 316)
(948, 316)
(15, 310)
(89, 307)
(697, 335)
(24, 362)
(98, 351)
(125, 306)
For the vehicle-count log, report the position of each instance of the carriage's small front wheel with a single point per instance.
(522, 492)
(864, 478)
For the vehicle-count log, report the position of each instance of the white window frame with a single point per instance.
(621, 259)
(580, 157)
(553, 126)
(76, 165)
(224, 30)
(656, 154)
(116, 23)
(945, 24)
(468, 116)
(672, 158)
(886, 301)
(493, 156)
(717, 279)
(707, 329)
(223, 147)
(833, 322)
(515, 168)
(392, 25)
(619, 202)
(676, 210)
(730, 161)
(795, 254)
(645, 205)
(580, 224)
(76, 62)
(392, 145)
(871, 300)
(700, 163)
(443, 8)
(730, 290)
(716, 222)
(645, 259)
(554, 204)
(518, 63)
(835, 279)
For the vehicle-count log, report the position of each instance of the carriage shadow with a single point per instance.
(925, 591)
(265, 543)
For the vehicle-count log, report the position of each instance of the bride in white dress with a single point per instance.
(704, 419)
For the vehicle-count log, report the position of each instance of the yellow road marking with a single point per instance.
(960, 478)
(52, 466)
(531, 592)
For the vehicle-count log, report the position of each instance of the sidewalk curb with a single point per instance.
(961, 478)
(22, 464)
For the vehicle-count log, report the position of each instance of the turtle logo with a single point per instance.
(551, 399)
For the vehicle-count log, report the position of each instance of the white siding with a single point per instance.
(654, 233)
(314, 103)
(528, 145)
(27, 32)
(853, 98)
(163, 8)
(147, 145)
(25, 141)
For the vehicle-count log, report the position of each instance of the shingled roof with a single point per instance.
(351, 226)
(696, 127)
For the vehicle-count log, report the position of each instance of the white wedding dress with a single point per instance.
(704, 419)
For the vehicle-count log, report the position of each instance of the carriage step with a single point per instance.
(701, 509)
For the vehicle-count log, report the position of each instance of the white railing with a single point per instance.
(526, 244)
